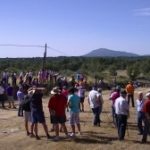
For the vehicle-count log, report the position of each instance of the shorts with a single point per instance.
(27, 116)
(37, 117)
(74, 118)
(81, 99)
(10, 98)
(56, 119)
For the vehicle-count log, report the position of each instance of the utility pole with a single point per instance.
(44, 57)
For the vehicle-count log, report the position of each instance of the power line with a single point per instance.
(36, 46)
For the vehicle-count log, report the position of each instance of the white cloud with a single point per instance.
(142, 12)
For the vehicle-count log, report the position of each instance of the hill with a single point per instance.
(103, 52)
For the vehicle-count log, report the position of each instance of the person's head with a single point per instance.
(123, 93)
(55, 91)
(94, 87)
(21, 88)
(64, 88)
(140, 95)
(99, 90)
(148, 95)
(72, 90)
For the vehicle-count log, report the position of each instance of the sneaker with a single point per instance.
(72, 135)
(32, 135)
(48, 136)
(28, 133)
(37, 137)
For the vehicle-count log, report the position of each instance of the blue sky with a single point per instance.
(74, 27)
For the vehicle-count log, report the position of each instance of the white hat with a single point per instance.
(147, 94)
(55, 90)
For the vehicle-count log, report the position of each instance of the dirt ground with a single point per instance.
(13, 136)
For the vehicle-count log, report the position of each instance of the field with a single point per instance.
(13, 137)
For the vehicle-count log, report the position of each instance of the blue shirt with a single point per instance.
(20, 96)
(74, 102)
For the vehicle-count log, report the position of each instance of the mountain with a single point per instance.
(103, 52)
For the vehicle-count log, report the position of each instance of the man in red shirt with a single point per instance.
(57, 105)
(146, 110)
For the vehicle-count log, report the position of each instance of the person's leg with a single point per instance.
(73, 129)
(46, 129)
(82, 106)
(32, 128)
(123, 127)
(56, 128)
(64, 128)
(146, 130)
(3, 103)
(94, 117)
(9, 104)
(139, 122)
(26, 123)
(36, 131)
(97, 116)
(132, 99)
(128, 97)
(72, 123)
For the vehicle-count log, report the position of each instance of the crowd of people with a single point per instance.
(70, 97)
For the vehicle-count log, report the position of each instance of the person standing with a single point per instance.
(57, 106)
(73, 103)
(101, 101)
(27, 112)
(9, 91)
(140, 114)
(37, 113)
(94, 105)
(130, 93)
(146, 111)
(113, 96)
(20, 97)
(81, 94)
(122, 112)
(2, 95)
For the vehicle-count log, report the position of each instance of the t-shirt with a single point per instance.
(146, 107)
(81, 92)
(74, 102)
(36, 102)
(20, 96)
(114, 96)
(121, 106)
(130, 89)
(58, 103)
(93, 99)
(139, 105)
(10, 91)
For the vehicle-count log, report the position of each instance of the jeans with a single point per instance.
(114, 116)
(96, 112)
(131, 97)
(121, 124)
(140, 118)
(20, 111)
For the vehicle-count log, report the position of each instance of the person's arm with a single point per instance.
(50, 106)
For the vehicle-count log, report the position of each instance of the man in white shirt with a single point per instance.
(95, 106)
(140, 114)
(122, 111)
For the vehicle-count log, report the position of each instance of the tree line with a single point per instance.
(137, 67)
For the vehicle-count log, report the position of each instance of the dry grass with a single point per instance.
(13, 137)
